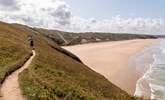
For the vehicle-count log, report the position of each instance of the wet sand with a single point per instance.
(111, 59)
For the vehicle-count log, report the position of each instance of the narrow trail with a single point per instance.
(10, 88)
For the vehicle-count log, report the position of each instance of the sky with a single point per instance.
(104, 9)
(115, 16)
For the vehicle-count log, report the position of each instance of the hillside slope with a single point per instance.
(13, 50)
(88, 37)
(54, 73)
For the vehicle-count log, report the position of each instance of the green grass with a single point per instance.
(76, 38)
(12, 53)
(54, 74)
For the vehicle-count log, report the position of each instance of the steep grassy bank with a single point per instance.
(54, 73)
(13, 51)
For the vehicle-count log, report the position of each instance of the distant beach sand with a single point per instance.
(111, 59)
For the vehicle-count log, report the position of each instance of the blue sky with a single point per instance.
(105, 9)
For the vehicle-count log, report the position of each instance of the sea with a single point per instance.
(150, 64)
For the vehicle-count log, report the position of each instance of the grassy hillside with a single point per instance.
(80, 38)
(54, 74)
(13, 51)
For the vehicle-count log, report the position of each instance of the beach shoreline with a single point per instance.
(112, 60)
(142, 61)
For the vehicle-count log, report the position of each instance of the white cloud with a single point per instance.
(40, 13)
(9, 5)
(119, 25)
(56, 14)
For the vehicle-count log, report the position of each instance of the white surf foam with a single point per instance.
(152, 84)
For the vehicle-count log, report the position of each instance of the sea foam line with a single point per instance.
(144, 88)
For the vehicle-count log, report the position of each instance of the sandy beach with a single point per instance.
(111, 59)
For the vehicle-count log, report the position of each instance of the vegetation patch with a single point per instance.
(12, 53)
(57, 76)
(54, 74)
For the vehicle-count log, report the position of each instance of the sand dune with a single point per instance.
(111, 59)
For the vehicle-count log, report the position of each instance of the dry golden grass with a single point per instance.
(13, 52)
(53, 74)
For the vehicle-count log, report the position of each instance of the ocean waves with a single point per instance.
(152, 84)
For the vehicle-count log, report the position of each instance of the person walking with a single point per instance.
(31, 42)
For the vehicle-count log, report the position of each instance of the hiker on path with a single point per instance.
(31, 42)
